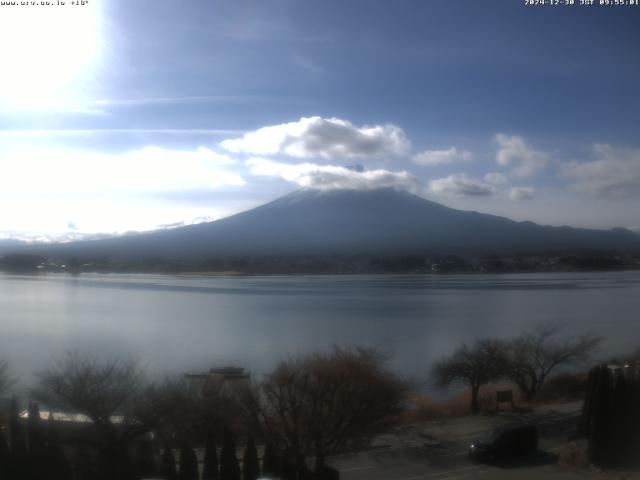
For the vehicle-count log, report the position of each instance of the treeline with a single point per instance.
(331, 264)
(610, 418)
(106, 420)
(526, 361)
(113, 423)
(40, 455)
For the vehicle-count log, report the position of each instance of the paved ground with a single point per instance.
(438, 450)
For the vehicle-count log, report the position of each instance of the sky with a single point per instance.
(120, 115)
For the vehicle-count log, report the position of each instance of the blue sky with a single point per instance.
(121, 115)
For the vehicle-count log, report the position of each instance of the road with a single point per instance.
(438, 450)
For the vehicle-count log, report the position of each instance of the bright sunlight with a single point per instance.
(44, 50)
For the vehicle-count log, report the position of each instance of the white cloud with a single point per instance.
(614, 173)
(460, 186)
(517, 194)
(328, 177)
(48, 216)
(150, 169)
(40, 237)
(496, 179)
(72, 192)
(431, 158)
(314, 137)
(192, 221)
(523, 159)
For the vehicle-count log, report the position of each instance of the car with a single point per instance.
(504, 443)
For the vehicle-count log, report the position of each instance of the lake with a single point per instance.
(185, 323)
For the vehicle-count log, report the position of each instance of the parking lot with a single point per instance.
(438, 450)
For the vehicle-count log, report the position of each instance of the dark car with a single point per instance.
(504, 443)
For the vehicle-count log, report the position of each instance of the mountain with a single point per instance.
(378, 222)
(8, 243)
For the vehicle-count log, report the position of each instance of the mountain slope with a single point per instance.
(385, 221)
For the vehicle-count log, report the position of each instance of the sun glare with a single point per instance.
(46, 52)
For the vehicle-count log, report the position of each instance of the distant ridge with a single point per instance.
(348, 222)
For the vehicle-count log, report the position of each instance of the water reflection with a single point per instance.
(182, 323)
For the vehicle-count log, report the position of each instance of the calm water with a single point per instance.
(186, 323)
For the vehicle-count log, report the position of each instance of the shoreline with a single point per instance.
(236, 273)
(233, 273)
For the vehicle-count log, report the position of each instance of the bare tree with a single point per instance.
(482, 362)
(172, 409)
(112, 394)
(6, 380)
(320, 404)
(537, 352)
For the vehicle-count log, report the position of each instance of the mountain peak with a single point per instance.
(383, 221)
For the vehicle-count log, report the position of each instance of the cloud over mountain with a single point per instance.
(460, 185)
(328, 177)
(316, 137)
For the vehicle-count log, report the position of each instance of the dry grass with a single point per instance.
(426, 408)
(564, 387)
(560, 388)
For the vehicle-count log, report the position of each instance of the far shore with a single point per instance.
(222, 273)
(236, 273)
